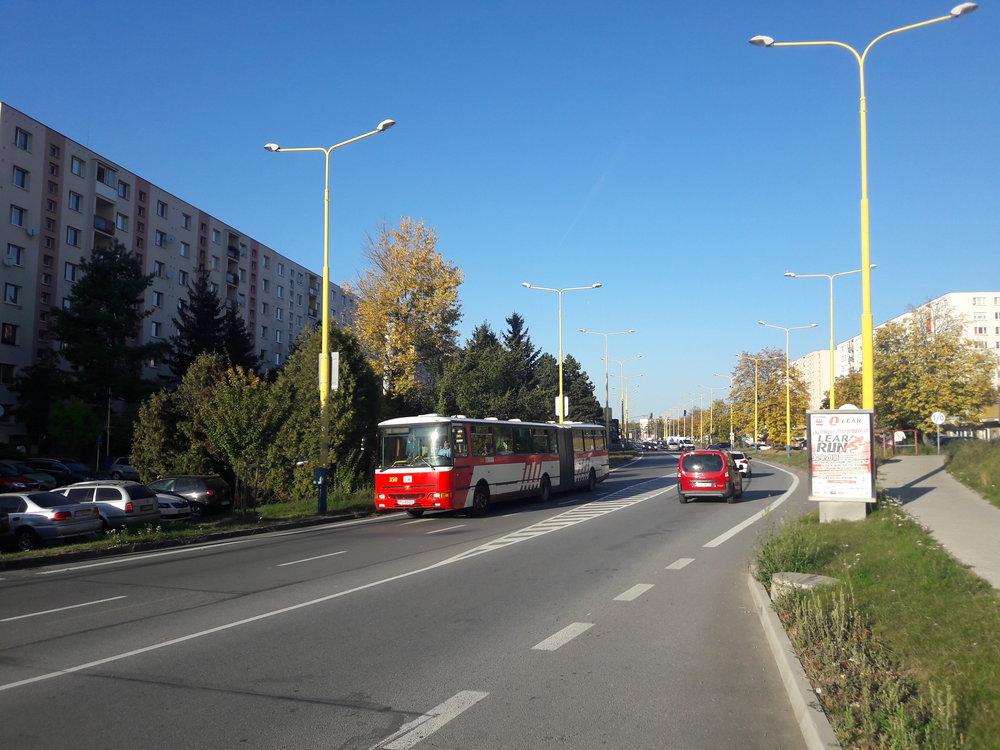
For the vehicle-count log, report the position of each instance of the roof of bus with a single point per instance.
(442, 419)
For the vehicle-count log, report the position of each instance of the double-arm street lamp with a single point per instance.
(867, 328)
(607, 416)
(833, 346)
(621, 364)
(561, 408)
(324, 357)
(756, 362)
(788, 399)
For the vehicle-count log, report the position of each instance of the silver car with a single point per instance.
(36, 518)
(120, 503)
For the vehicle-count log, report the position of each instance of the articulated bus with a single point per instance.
(434, 462)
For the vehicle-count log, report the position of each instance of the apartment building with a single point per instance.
(61, 200)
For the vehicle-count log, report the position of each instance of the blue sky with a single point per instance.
(643, 145)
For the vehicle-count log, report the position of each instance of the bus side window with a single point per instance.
(482, 441)
(522, 440)
(578, 442)
(504, 440)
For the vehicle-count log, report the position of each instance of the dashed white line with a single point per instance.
(424, 726)
(310, 559)
(134, 558)
(563, 637)
(679, 563)
(416, 520)
(634, 593)
(447, 528)
(62, 609)
(759, 514)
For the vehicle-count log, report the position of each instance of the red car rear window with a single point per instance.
(702, 462)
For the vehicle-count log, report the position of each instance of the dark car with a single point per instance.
(206, 494)
(65, 472)
(708, 474)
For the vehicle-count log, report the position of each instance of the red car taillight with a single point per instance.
(61, 515)
(208, 493)
(129, 508)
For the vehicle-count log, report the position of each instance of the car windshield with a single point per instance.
(50, 499)
(7, 471)
(415, 445)
(702, 462)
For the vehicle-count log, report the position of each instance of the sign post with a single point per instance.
(841, 462)
(938, 419)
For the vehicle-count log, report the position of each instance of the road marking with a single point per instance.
(62, 609)
(634, 593)
(679, 563)
(131, 558)
(310, 559)
(447, 528)
(563, 637)
(424, 726)
(418, 520)
(759, 514)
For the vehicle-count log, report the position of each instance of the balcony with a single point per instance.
(313, 312)
(313, 291)
(232, 279)
(233, 252)
(104, 226)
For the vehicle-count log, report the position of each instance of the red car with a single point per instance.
(11, 481)
(708, 474)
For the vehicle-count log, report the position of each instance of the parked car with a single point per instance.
(12, 480)
(173, 507)
(44, 479)
(36, 518)
(120, 503)
(120, 467)
(708, 474)
(207, 494)
(65, 472)
(742, 462)
(686, 445)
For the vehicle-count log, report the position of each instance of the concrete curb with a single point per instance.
(815, 727)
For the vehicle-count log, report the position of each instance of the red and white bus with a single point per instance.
(433, 462)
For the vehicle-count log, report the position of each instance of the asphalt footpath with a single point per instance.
(966, 524)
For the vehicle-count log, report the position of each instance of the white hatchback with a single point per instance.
(742, 462)
(120, 503)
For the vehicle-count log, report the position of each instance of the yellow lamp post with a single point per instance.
(607, 419)
(324, 357)
(867, 327)
(788, 399)
(732, 430)
(756, 361)
(833, 346)
(621, 364)
(561, 408)
(700, 395)
(711, 407)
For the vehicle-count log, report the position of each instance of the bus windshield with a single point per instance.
(415, 445)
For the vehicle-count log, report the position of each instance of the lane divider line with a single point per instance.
(62, 609)
(759, 514)
(447, 528)
(424, 726)
(310, 559)
(563, 637)
(681, 562)
(633, 593)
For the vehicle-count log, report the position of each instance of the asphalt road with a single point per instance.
(618, 618)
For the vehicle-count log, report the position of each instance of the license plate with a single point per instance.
(702, 484)
(406, 502)
(146, 507)
(82, 513)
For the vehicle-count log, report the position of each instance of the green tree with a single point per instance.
(583, 404)
(99, 326)
(237, 343)
(407, 310)
(477, 381)
(770, 392)
(74, 428)
(198, 324)
(38, 387)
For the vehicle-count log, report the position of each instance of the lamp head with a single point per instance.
(272, 147)
(630, 330)
(766, 41)
(761, 322)
(384, 125)
(596, 286)
(962, 9)
(790, 274)
(814, 325)
(525, 283)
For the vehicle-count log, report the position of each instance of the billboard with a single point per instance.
(841, 455)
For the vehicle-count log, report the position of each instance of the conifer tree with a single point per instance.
(199, 325)
(237, 342)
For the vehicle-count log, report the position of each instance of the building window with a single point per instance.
(280, 290)
(158, 238)
(76, 166)
(277, 335)
(8, 334)
(979, 300)
(73, 236)
(281, 269)
(263, 332)
(156, 328)
(18, 216)
(185, 221)
(277, 358)
(979, 330)
(214, 262)
(22, 139)
(979, 316)
(74, 201)
(44, 298)
(20, 178)
(54, 151)
(50, 205)
(142, 196)
(49, 242)
(278, 313)
(69, 272)
(15, 254)
(267, 262)
(185, 250)
(46, 279)
(182, 278)
(121, 221)
(107, 175)
(50, 224)
(124, 190)
(265, 285)
(263, 308)
(216, 236)
(161, 209)
(6, 373)
(11, 294)
(140, 227)
(157, 268)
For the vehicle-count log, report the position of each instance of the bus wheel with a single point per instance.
(416, 512)
(592, 481)
(480, 501)
(545, 490)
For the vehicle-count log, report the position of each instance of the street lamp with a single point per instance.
(701, 414)
(756, 361)
(711, 406)
(867, 328)
(607, 419)
(732, 431)
(324, 357)
(621, 364)
(788, 400)
(561, 410)
(831, 277)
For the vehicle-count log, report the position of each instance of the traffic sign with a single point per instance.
(938, 417)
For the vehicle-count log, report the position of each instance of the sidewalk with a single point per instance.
(962, 521)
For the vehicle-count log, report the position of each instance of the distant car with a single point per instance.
(673, 445)
(65, 472)
(708, 474)
(207, 494)
(742, 462)
(120, 503)
(36, 518)
(46, 480)
(687, 445)
(12, 480)
(120, 467)
(173, 507)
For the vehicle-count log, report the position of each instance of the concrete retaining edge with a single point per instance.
(815, 727)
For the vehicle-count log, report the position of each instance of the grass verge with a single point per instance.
(906, 653)
(976, 463)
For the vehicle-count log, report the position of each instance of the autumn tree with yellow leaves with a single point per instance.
(407, 310)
